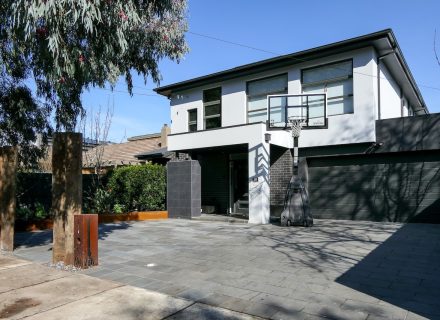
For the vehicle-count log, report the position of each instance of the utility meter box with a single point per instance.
(86, 240)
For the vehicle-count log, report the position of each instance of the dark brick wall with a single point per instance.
(399, 186)
(281, 163)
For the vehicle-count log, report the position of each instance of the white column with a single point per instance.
(259, 189)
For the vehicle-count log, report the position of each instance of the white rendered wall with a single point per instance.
(233, 100)
(180, 105)
(259, 159)
(405, 110)
(347, 128)
(342, 129)
(259, 180)
(390, 104)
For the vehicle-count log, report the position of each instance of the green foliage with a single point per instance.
(139, 187)
(33, 195)
(22, 118)
(23, 213)
(22, 122)
(118, 209)
(71, 45)
(31, 212)
(40, 211)
(102, 201)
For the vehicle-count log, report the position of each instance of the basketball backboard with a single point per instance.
(310, 108)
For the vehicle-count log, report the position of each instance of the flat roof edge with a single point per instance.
(236, 71)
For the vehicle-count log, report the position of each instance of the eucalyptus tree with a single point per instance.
(68, 46)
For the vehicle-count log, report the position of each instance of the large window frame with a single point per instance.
(263, 96)
(192, 124)
(208, 103)
(331, 81)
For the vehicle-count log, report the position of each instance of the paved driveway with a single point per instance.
(337, 269)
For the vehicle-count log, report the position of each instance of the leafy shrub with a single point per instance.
(40, 211)
(33, 195)
(102, 201)
(118, 208)
(23, 213)
(34, 212)
(139, 188)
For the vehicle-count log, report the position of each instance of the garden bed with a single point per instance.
(133, 216)
(21, 226)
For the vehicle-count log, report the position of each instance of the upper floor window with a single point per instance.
(192, 120)
(212, 106)
(336, 80)
(257, 92)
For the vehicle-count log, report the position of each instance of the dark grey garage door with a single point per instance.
(401, 186)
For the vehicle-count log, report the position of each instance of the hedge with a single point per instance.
(141, 188)
(124, 189)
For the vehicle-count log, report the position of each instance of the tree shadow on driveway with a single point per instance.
(402, 271)
(45, 237)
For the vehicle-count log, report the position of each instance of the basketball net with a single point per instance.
(295, 126)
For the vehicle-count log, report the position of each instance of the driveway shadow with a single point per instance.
(403, 270)
(45, 237)
(33, 239)
(105, 229)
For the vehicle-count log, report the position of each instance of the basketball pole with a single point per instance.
(295, 155)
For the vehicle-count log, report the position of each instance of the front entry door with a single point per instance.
(238, 183)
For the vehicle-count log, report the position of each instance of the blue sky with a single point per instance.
(280, 26)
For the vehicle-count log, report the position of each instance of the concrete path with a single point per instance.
(33, 291)
(337, 269)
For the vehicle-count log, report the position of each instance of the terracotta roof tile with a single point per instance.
(120, 153)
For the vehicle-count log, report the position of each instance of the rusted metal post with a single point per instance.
(8, 172)
(66, 193)
(86, 240)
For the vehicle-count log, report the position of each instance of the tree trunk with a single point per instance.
(66, 193)
(8, 172)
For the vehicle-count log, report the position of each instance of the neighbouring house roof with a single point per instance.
(158, 153)
(145, 136)
(384, 42)
(121, 153)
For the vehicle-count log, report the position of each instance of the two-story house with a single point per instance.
(223, 119)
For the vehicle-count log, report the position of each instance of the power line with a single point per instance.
(134, 93)
(293, 58)
(234, 43)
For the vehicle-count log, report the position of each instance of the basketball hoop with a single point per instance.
(295, 126)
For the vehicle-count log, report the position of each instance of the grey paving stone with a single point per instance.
(261, 310)
(414, 316)
(193, 294)
(334, 312)
(173, 289)
(384, 310)
(270, 289)
(202, 311)
(324, 266)
(225, 301)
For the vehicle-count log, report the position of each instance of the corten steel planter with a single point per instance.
(86, 240)
(133, 216)
(29, 226)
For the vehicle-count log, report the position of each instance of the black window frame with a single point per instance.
(330, 81)
(212, 103)
(285, 91)
(192, 122)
